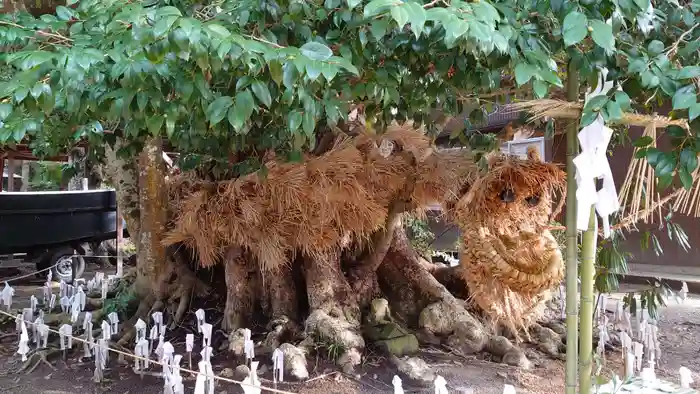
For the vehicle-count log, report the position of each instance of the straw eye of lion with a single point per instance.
(533, 200)
(507, 196)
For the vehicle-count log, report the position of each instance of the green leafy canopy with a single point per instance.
(244, 77)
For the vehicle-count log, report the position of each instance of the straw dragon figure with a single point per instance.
(333, 220)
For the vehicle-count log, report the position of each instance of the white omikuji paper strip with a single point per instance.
(206, 334)
(27, 314)
(46, 291)
(87, 318)
(440, 385)
(61, 289)
(508, 389)
(65, 304)
(52, 302)
(140, 328)
(114, 321)
(35, 329)
(396, 382)
(252, 383)
(176, 378)
(248, 346)
(32, 303)
(65, 333)
(89, 342)
(205, 381)
(189, 342)
(278, 365)
(158, 322)
(159, 347)
(6, 296)
(43, 333)
(106, 330)
(75, 309)
(686, 377)
(142, 350)
(591, 164)
(23, 346)
(200, 319)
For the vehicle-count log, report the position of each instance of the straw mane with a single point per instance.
(510, 260)
(316, 206)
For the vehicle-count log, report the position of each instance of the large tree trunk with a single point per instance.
(153, 210)
(241, 290)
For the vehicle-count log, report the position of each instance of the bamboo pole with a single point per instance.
(588, 255)
(572, 89)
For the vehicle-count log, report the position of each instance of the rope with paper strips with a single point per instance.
(24, 335)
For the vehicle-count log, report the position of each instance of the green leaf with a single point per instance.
(693, 111)
(602, 35)
(540, 88)
(316, 51)
(353, 3)
(378, 28)
(242, 110)
(596, 104)
(376, 7)
(169, 127)
(574, 28)
(64, 13)
(688, 72)
(665, 165)
(655, 47)
(216, 111)
(167, 11)
(5, 110)
(154, 124)
(689, 160)
(416, 17)
(614, 111)
(524, 72)
(262, 92)
(643, 141)
(686, 178)
(289, 75)
(294, 121)
(623, 100)
(275, 72)
(308, 124)
(638, 66)
(218, 30)
(684, 97)
(400, 15)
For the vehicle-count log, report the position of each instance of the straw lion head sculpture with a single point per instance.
(510, 261)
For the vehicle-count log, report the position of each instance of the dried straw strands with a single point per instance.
(639, 188)
(640, 185)
(510, 260)
(316, 206)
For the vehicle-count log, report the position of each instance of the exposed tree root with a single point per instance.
(335, 312)
(283, 303)
(37, 357)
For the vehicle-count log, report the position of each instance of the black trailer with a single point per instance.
(55, 228)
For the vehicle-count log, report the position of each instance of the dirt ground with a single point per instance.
(679, 332)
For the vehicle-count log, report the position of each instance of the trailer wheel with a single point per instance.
(62, 260)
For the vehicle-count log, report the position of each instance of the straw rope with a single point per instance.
(571, 110)
(135, 357)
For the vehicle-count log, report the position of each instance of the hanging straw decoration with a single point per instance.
(638, 191)
(688, 203)
(639, 188)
